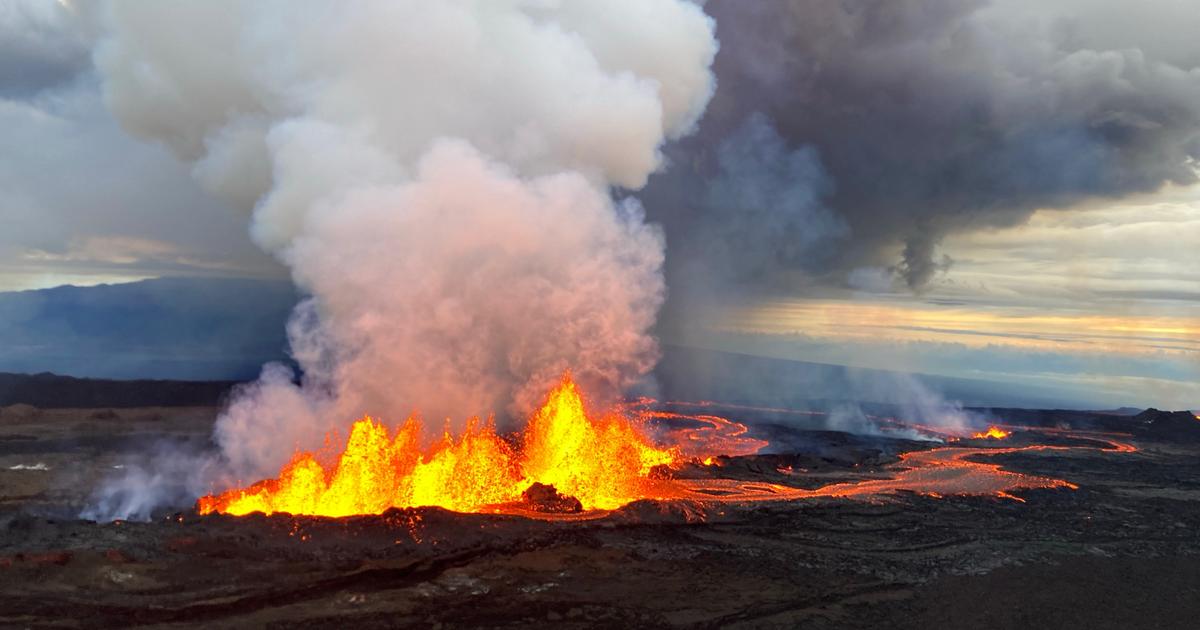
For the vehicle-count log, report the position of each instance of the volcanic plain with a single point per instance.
(1116, 546)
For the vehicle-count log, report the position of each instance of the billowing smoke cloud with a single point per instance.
(42, 45)
(436, 175)
(913, 402)
(926, 117)
(759, 209)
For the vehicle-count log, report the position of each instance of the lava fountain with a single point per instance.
(603, 462)
(567, 463)
(992, 433)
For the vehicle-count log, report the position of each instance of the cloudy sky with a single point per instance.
(1099, 304)
(86, 203)
(1001, 191)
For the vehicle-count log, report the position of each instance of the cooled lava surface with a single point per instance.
(1079, 521)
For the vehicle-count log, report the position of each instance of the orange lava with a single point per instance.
(993, 433)
(712, 435)
(604, 462)
(938, 472)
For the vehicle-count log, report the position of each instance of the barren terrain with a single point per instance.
(1119, 551)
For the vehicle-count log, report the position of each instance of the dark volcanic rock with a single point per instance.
(1117, 552)
(1170, 425)
(543, 498)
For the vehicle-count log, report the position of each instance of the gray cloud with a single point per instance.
(83, 201)
(89, 200)
(761, 208)
(42, 45)
(930, 117)
(917, 261)
(1076, 378)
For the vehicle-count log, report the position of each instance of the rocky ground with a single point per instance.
(1122, 551)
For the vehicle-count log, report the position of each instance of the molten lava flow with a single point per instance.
(574, 461)
(604, 463)
(705, 436)
(993, 433)
(938, 472)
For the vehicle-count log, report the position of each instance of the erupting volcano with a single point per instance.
(567, 461)
(672, 284)
(603, 462)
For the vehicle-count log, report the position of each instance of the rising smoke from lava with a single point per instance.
(437, 176)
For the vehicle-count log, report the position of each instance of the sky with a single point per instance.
(966, 259)
(85, 202)
(1101, 304)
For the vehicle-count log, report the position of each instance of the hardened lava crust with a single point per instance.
(1104, 552)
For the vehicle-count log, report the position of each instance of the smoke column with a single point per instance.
(910, 120)
(437, 176)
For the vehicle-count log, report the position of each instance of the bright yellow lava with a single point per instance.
(993, 433)
(604, 462)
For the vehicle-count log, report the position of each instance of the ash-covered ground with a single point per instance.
(1121, 551)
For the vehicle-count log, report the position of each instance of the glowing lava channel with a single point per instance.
(710, 435)
(604, 463)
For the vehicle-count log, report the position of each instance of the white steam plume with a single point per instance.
(436, 175)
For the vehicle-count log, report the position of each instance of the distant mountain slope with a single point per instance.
(53, 391)
(170, 328)
(692, 373)
(683, 374)
(203, 329)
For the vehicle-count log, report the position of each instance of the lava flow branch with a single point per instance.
(703, 436)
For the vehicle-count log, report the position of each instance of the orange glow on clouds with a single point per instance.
(849, 320)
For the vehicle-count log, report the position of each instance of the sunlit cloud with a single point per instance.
(1100, 302)
(92, 260)
(976, 326)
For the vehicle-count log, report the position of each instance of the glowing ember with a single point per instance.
(993, 433)
(604, 463)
